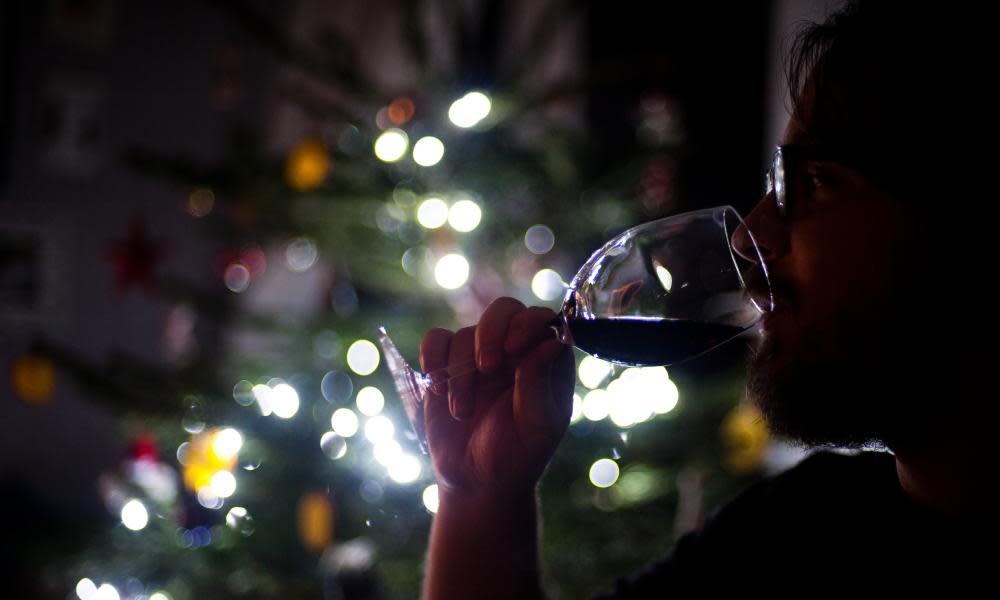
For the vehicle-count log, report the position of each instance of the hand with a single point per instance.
(495, 430)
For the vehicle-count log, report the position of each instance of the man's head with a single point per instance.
(877, 261)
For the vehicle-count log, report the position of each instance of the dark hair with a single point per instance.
(902, 86)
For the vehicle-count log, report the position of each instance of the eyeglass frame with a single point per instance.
(783, 154)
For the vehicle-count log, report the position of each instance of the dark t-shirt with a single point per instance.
(833, 524)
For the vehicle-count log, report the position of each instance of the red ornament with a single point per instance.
(144, 448)
(135, 258)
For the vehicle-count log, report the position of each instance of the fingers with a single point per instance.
(491, 332)
(461, 397)
(527, 328)
(434, 356)
(543, 390)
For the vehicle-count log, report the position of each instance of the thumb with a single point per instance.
(543, 391)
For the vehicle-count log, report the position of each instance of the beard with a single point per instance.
(864, 399)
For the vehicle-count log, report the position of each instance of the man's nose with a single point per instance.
(767, 229)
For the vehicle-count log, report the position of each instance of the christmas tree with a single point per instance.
(272, 458)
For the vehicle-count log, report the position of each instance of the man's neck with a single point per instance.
(953, 476)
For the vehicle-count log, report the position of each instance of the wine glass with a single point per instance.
(659, 293)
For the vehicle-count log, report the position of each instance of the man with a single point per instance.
(876, 238)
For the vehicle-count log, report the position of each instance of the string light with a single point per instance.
(379, 429)
(284, 401)
(405, 469)
(547, 285)
(596, 405)
(592, 371)
(227, 443)
(86, 589)
(539, 239)
(223, 484)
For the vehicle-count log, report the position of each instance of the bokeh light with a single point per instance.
(593, 371)
(106, 592)
(86, 589)
(200, 202)
(469, 110)
(262, 394)
(431, 498)
(405, 468)
(387, 451)
(547, 285)
(134, 515)
(333, 445)
(596, 405)
(362, 357)
(428, 151)
(337, 387)
(223, 484)
(370, 401)
(159, 596)
(301, 255)
(379, 429)
(604, 473)
(227, 443)
(451, 271)
(401, 110)
(344, 422)
(391, 145)
(464, 215)
(236, 277)
(243, 393)
(238, 519)
(284, 401)
(432, 213)
(308, 165)
(539, 239)
(577, 409)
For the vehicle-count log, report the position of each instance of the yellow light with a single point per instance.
(159, 596)
(391, 145)
(134, 515)
(596, 405)
(223, 484)
(227, 443)
(33, 378)
(451, 271)
(284, 401)
(379, 429)
(428, 151)
(344, 422)
(431, 498)
(592, 371)
(666, 279)
(362, 357)
(469, 110)
(308, 165)
(405, 468)
(86, 589)
(370, 401)
(432, 213)
(604, 473)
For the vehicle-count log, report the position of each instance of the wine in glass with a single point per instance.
(659, 293)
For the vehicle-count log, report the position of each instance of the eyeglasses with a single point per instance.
(785, 177)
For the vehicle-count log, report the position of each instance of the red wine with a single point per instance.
(646, 342)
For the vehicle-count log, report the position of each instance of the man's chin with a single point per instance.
(820, 404)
